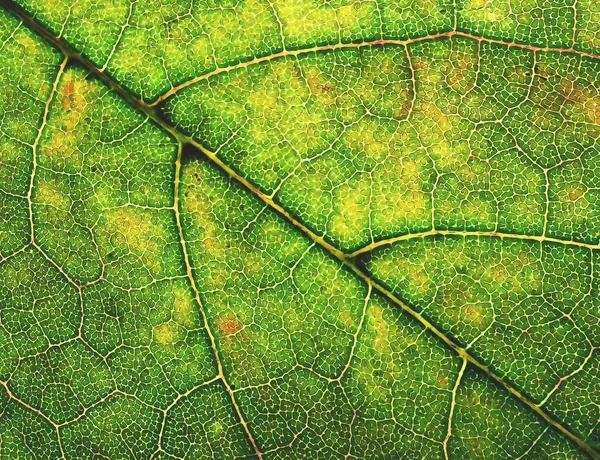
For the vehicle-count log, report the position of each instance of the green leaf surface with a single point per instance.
(299, 229)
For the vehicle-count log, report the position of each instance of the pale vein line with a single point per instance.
(363, 314)
(55, 265)
(533, 444)
(19, 401)
(459, 377)
(568, 376)
(413, 81)
(501, 235)
(279, 24)
(36, 142)
(546, 201)
(190, 275)
(34, 147)
(12, 34)
(13, 254)
(454, 16)
(123, 27)
(337, 46)
(574, 41)
(166, 410)
(592, 347)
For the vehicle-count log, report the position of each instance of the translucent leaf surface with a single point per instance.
(299, 229)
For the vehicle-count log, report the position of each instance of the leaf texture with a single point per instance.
(299, 229)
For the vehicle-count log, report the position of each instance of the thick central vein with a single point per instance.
(286, 215)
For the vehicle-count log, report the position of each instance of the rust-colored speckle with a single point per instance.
(228, 324)
(67, 92)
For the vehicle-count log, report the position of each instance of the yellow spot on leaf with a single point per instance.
(183, 307)
(351, 210)
(69, 125)
(301, 16)
(497, 11)
(381, 328)
(49, 195)
(592, 109)
(133, 230)
(168, 332)
(573, 191)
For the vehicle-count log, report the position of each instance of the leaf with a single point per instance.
(299, 229)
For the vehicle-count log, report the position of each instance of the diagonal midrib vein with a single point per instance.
(333, 251)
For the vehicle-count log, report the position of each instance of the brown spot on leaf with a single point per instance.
(573, 192)
(228, 324)
(317, 85)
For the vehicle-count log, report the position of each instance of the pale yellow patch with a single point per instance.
(518, 272)
(197, 206)
(133, 229)
(9, 150)
(432, 125)
(74, 95)
(235, 33)
(48, 194)
(281, 126)
(572, 192)
(32, 47)
(384, 332)
(416, 275)
(183, 307)
(389, 267)
(476, 314)
(137, 51)
(254, 263)
(304, 133)
(363, 137)
(302, 16)
(592, 109)
(68, 127)
(459, 306)
(279, 89)
(168, 332)
(399, 187)
(432, 112)
(112, 12)
(14, 276)
(351, 209)
(217, 428)
(182, 318)
(138, 64)
(496, 11)
(34, 55)
(348, 16)
(183, 42)
(462, 76)
(104, 195)
(321, 86)
(58, 204)
(274, 233)
(347, 319)
(380, 327)
(211, 241)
